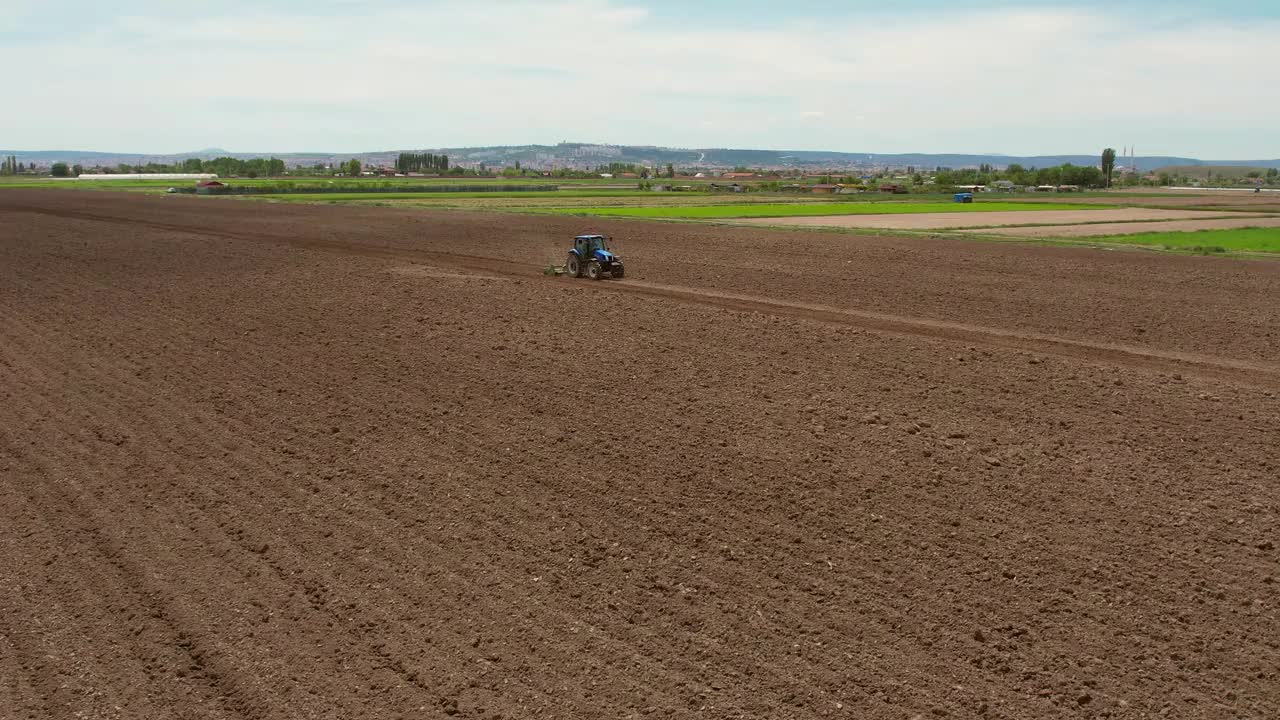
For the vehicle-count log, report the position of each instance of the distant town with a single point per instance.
(742, 169)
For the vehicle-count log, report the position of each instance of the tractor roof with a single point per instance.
(587, 237)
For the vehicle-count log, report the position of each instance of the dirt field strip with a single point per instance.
(943, 220)
(1035, 289)
(1207, 199)
(1265, 374)
(1135, 227)
(404, 477)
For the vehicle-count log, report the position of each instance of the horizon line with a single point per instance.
(207, 151)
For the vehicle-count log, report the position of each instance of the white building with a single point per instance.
(147, 176)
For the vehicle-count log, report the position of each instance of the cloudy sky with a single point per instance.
(1176, 78)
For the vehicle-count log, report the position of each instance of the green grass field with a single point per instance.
(1208, 241)
(816, 209)
(635, 199)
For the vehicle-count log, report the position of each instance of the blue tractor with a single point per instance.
(591, 256)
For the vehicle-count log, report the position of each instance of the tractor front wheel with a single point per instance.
(594, 271)
(573, 266)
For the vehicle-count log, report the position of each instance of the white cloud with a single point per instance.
(451, 73)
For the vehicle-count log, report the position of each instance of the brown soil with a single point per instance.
(937, 221)
(268, 461)
(1139, 227)
(1223, 199)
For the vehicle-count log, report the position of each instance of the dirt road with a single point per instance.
(1154, 197)
(1136, 227)
(265, 461)
(937, 221)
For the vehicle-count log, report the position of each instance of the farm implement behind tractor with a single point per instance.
(590, 256)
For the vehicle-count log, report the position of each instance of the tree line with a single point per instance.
(1067, 174)
(422, 162)
(256, 167)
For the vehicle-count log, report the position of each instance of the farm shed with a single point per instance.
(209, 187)
(824, 188)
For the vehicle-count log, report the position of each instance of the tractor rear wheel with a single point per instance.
(594, 271)
(573, 266)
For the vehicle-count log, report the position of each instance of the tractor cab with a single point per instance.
(587, 246)
(591, 256)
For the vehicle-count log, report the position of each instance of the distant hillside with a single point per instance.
(587, 155)
(718, 158)
(94, 157)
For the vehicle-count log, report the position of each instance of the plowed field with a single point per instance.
(288, 461)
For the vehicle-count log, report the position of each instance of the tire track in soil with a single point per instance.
(62, 496)
(138, 397)
(69, 549)
(1225, 369)
(18, 689)
(159, 423)
(152, 641)
(20, 661)
(119, 422)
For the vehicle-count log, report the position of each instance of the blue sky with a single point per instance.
(1171, 78)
